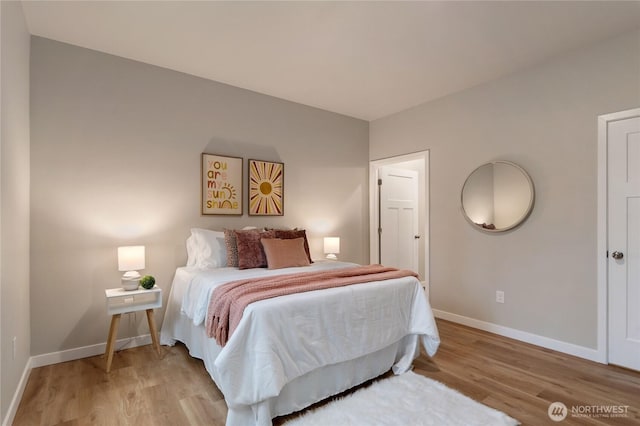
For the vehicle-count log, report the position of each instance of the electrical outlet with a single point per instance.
(14, 340)
(500, 296)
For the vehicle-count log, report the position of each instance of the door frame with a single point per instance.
(374, 165)
(603, 232)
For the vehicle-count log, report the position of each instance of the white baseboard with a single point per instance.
(534, 339)
(87, 351)
(63, 356)
(17, 396)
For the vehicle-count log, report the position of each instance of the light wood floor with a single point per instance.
(514, 377)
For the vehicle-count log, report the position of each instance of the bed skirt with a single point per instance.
(303, 391)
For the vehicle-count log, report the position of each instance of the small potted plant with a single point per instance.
(147, 282)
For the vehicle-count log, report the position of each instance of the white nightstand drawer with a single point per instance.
(120, 301)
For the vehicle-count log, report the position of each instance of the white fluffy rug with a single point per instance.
(408, 399)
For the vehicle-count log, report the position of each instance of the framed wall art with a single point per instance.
(221, 185)
(266, 188)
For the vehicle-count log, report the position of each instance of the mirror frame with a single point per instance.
(521, 219)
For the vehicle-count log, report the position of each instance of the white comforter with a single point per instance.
(286, 337)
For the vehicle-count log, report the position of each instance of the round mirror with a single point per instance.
(497, 196)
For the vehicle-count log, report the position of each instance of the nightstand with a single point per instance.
(120, 302)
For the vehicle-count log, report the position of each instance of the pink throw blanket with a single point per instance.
(229, 300)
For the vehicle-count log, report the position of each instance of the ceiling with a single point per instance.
(362, 59)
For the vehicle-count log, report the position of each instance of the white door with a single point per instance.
(398, 218)
(623, 146)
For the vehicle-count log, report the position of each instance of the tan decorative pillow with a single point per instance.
(250, 251)
(286, 234)
(285, 253)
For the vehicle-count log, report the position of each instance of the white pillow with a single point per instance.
(192, 248)
(206, 249)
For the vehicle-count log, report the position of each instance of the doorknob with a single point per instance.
(617, 255)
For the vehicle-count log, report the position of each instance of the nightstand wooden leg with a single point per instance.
(153, 331)
(111, 340)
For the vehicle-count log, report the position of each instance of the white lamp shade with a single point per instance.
(130, 258)
(331, 245)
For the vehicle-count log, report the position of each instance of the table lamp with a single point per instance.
(130, 260)
(332, 247)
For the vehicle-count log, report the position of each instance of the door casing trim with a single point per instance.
(603, 233)
(374, 165)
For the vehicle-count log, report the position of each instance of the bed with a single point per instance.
(291, 351)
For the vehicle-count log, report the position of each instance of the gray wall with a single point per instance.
(115, 160)
(545, 120)
(14, 200)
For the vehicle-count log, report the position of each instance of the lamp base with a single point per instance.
(130, 285)
(131, 280)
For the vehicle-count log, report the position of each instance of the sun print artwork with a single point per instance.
(266, 188)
